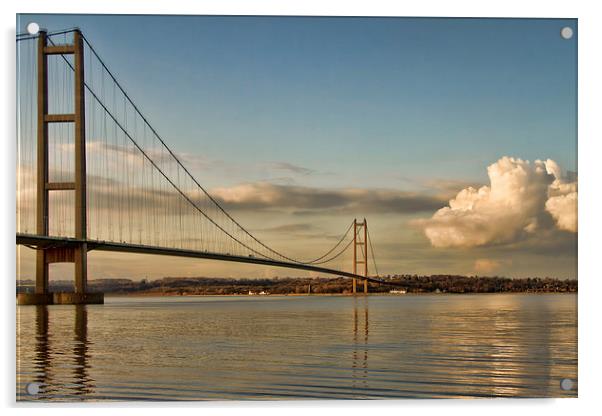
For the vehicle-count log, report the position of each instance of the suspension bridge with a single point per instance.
(93, 174)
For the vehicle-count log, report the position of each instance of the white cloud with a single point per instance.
(517, 203)
(564, 210)
(562, 199)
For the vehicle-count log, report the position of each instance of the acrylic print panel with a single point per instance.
(266, 208)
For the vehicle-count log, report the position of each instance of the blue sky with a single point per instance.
(361, 102)
(384, 93)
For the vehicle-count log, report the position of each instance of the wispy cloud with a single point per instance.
(307, 201)
(297, 231)
(447, 188)
(289, 167)
(290, 228)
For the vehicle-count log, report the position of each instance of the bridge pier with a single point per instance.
(70, 298)
(60, 298)
(34, 298)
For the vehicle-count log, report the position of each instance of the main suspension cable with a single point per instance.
(161, 171)
(372, 251)
(315, 261)
(179, 162)
(93, 94)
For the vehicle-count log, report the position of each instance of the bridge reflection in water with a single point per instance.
(302, 347)
(55, 376)
(360, 345)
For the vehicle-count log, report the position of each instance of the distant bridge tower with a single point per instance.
(75, 253)
(360, 251)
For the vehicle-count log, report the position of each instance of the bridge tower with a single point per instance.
(75, 252)
(360, 251)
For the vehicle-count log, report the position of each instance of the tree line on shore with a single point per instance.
(318, 285)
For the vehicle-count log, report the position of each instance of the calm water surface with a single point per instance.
(315, 347)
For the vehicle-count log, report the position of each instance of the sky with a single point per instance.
(407, 113)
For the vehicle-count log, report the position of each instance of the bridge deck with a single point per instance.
(41, 242)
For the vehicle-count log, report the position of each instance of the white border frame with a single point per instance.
(590, 33)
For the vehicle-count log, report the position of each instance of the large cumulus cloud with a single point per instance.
(522, 198)
(562, 201)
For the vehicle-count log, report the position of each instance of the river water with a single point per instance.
(299, 347)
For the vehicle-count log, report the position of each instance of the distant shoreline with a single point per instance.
(171, 295)
(296, 286)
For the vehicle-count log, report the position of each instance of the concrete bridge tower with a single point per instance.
(74, 252)
(360, 248)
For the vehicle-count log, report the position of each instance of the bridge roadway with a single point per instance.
(37, 241)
